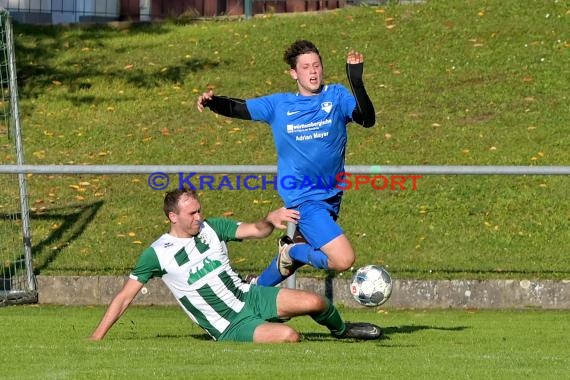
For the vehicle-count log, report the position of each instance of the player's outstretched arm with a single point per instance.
(364, 113)
(264, 227)
(116, 308)
(230, 107)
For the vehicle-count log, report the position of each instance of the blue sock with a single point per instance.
(270, 276)
(309, 255)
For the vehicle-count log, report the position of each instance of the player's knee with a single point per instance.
(348, 263)
(342, 263)
(275, 333)
(290, 336)
(341, 255)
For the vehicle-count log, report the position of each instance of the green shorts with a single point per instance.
(260, 307)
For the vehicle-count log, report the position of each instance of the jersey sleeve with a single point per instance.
(262, 108)
(224, 228)
(147, 267)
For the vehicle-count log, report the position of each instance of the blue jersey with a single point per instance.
(310, 138)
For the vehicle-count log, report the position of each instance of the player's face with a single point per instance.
(308, 73)
(187, 221)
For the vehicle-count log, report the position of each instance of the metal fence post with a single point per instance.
(145, 9)
(248, 8)
(291, 282)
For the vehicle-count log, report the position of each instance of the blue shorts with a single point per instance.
(318, 221)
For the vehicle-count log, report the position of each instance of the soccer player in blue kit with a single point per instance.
(309, 131)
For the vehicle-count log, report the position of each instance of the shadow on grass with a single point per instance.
(203, 337)
(176, 336)
(408, 329)
(388, 332)
(321, 337)
(73, 220)
(40, 68)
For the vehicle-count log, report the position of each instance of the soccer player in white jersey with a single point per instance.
(192, 260)
(309, 131)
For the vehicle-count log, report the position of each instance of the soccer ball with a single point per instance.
(371, 285)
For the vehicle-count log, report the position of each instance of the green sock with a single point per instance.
(331, 319)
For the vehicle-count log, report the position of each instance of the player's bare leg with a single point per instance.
(293, 302)
(275, 333)
(340, 253)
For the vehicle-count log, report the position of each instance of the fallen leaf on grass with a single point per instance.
(40, 154)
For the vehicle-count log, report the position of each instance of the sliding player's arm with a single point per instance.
(116, 308)
(264, 227)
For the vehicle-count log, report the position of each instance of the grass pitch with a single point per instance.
(50, 342)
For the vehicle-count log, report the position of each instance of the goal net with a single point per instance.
(17, 281)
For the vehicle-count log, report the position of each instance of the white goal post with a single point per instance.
(17, 280)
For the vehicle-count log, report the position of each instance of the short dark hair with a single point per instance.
(172, 197)
(297, 48)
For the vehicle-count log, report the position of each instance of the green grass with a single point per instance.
(49, 342)
(461, 83)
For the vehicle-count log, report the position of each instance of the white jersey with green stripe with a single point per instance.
(197, 272)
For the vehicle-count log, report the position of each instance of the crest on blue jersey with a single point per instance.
(326, 106)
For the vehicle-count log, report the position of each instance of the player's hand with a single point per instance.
(279, 217)
(203, 99)
(353, 57)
